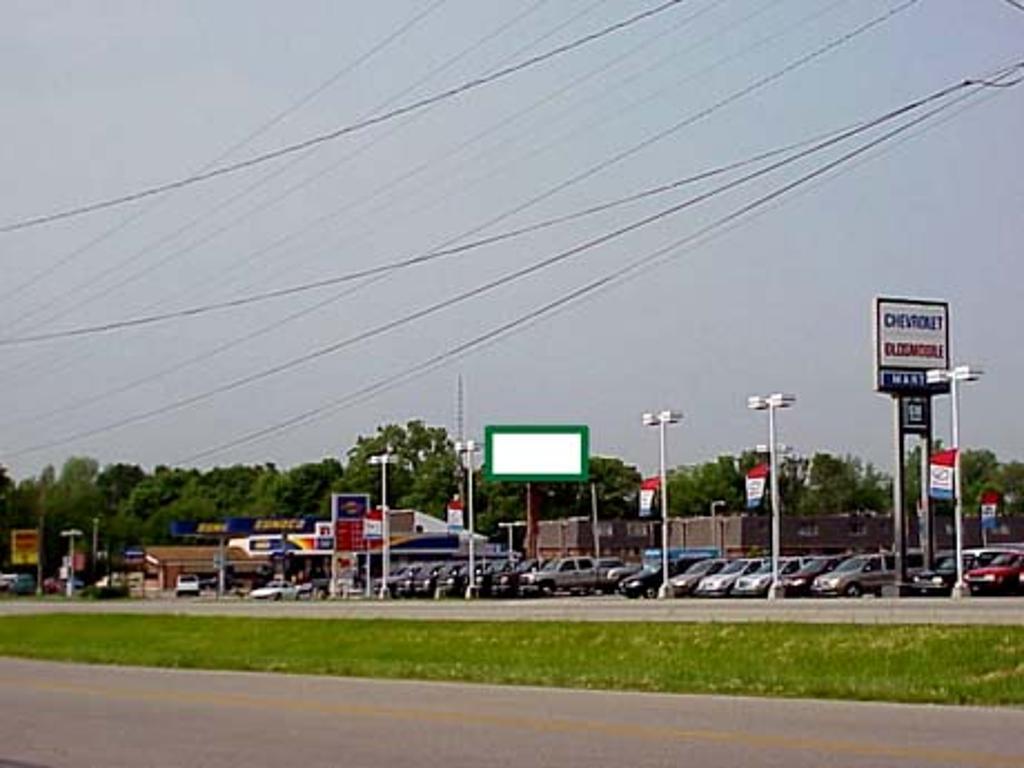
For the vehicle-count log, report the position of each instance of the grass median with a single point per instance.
(940, 664)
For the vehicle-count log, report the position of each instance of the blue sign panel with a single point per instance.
(349, 506)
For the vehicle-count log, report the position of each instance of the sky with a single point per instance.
(730, 297)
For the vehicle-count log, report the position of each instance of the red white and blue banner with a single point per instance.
(455, 516)
(373, 525)
(757, 479)
(990, 509)
(648, 489)
(940, 474)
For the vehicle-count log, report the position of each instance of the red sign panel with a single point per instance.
(350, 535)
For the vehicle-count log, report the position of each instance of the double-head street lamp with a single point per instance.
(382, 460)
(466, 449)
(961, 373)
(661, 420)
(70, 535)
(772, 403)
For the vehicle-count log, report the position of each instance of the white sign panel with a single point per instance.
(559, 453)
(911, 338)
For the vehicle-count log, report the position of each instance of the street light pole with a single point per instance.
(383, 460)
(771, 403)
(714, 523)
(954, 376)
(70, 534)
(468, 448)
(661, 420)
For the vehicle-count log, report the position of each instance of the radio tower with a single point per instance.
(460, 429)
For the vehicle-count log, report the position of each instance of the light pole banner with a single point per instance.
(373, 525)
(455, 516)
(989, 510)
(756, 480)
(941, 470)
(648, 488)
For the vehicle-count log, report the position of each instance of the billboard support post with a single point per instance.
(899, 523)
(536, 454)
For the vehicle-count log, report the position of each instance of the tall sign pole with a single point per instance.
(911, 338)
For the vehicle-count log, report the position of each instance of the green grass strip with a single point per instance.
(942, 664)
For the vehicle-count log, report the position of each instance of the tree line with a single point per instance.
(132, 506)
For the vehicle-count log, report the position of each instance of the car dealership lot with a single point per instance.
(866, 610)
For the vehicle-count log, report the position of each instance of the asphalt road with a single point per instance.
(1007, 611)
(65, 715)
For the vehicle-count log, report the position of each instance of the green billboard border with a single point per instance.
(551, 429)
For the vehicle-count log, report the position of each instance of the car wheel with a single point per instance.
(277, 596)
(853, 590)
(547, 589)
(650, 593)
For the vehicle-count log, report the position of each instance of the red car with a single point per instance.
(1002, 575)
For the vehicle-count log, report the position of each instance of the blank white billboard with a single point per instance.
(546, 453)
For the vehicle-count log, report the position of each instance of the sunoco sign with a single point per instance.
(911, 338)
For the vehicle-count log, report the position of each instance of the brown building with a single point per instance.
(751, 534)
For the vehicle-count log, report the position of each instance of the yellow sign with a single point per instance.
(24, 546)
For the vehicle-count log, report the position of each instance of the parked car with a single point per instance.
(758, 583)
(452, 579)
(424, 580)
(857, 576)
(314, 589)
(647, 583)
(277, 589)
(610, 572)
(401, 580)
(720, 584)
(22, 584)
(798, 583)
(187, 585)
(506, 584)
(1003, 576)
(937, 581)
(487, 574)
(683, 584)
(564, 574)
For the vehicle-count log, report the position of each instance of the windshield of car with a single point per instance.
(766, 567)
(853, 564)
(551, 565)
(736, 566)
(1005, 560)
(702, 567)
(946, 564)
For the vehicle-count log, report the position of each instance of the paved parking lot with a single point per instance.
(841, 610)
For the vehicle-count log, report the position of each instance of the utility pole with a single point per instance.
(593, 523)
(41, 546)
(95, 546)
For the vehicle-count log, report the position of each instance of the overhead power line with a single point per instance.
(624, 274)
(261, 129)
(351, 128)
(538, 266)
(313, 285)
(382, 270)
